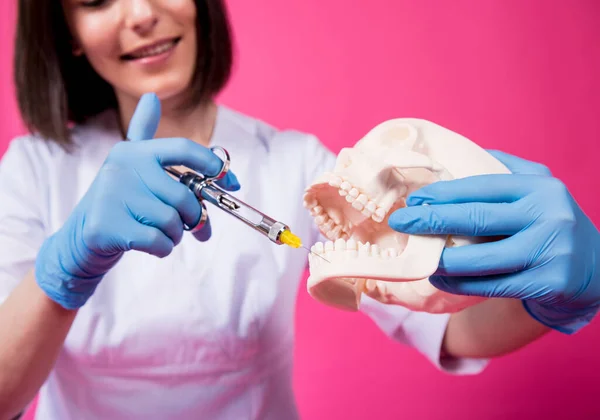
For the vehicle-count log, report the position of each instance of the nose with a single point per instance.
(140, 15)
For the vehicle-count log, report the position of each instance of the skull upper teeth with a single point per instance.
(359, 200)
(331, 221)
(335, 181)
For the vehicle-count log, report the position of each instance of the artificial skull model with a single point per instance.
(351, 206)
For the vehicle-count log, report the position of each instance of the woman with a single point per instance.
(206, 329)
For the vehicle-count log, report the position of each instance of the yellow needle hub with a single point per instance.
(288, 238)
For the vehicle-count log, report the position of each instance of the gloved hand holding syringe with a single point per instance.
(204, 189)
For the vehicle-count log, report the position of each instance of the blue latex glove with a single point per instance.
(132, 204)
(549, 250)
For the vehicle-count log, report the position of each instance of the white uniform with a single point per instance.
(206, 332)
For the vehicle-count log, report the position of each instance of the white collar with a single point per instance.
(233, 131)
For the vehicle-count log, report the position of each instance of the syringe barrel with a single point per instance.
(257, 220)
(272, 229)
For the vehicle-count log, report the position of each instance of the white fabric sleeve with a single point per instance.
(22, 189)
(421, 330)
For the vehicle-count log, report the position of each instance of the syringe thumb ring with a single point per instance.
(195, 183)
(226, 163)
(201, 222)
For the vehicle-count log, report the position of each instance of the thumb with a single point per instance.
(519, 165)
(145, 119)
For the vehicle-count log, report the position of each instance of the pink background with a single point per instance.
(521, 76)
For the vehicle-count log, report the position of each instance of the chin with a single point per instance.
(165, 88)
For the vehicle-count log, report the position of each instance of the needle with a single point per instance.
(318, 255)
(292, 240)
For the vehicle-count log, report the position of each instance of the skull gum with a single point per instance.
(351, 206)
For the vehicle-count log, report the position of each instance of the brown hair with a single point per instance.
(55, 88)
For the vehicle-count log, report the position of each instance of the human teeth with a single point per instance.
(342, 192)
(351, 253)
(329, 224)
(318, 210)
(350, 248)
(371, 206)
(362, 199)
(379, 215)
(357, 205)
(354, 192)
(319, 220)
(335, 215)
(335, 181)
(336, 231)
(375, 250)
(309, 201)
(363, 250)
(158, 49)
(349, 198)
(346, 186)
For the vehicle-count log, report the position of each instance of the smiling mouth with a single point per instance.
(152, 50)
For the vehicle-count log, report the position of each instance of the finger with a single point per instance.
(145, 119)
(229, 182)
(499, 188)
(174, 194)
(465, 219)
(517, 285)
(148, 239)
(155, 213)
(507, 255)
(518, 165)
(184, 152)
(205, 233)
